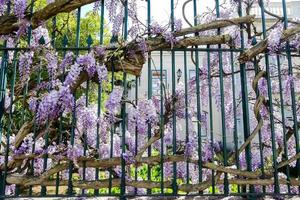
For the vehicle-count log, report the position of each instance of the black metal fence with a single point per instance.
(225, 122)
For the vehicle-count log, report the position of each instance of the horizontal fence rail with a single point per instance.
(106, 105)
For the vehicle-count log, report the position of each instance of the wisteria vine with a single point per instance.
(65, 126)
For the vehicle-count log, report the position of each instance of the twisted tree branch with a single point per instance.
(262, 45)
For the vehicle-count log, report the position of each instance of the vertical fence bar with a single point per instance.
(162, 87)
(3, 80)
(12, 92)
(73, 127)
(3, 87)
(256, 68)
(136, 132)
(149, 87)
(285, 149)
(28, 43)
(3, 90)
(211, 124)
(112, 132)
(245, 103)
(224, 136)
(197, 71)
(293, 95)
(43, 188)
(267, 63)
(99, 99)
(235, 131)
(187, 139)
(53, 37)
(89, 43)
(174, 181)
(59, 138)
(26, 84)
(123, 110)
(123, 113)
(35, 123)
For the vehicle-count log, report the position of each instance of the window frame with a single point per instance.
(165, 80)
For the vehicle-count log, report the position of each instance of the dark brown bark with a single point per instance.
(9, 24)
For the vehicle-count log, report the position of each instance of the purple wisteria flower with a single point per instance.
(10, 43)
(143, 115)
(142, 44)
(87, 117)
(217, 146)
(274, 38)
(129, 140)
(39, 166)
(102, 73)
(180, 103)
(23, 27)
(25, 62)
(88, 62)
(156, 28)
(133, 32)
(112, 7)
(177, 24)
(128, 157)
(170, 38)
(25, 147)
(37, 34)
(263, 87)
(288, 85)
(20, 8)
(72, 75)
(53, 104)
(48, 108)
(75, 151)
(90, 173)
(51, 64)
(3, 4)
(114, 99)
(104, 124)
(8, 99)
(10, 190)
(66, 99)
(67, 61)
(104, 151)
(117, 22)
(96, 6)
(188, 150)
(207, 155)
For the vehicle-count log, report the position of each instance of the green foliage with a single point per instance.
(211, 188)
(66, 25)
(234, 188)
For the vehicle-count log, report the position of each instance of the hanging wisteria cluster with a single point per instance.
(64, 127)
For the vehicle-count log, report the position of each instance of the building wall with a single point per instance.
(179, 64)
(293, 9)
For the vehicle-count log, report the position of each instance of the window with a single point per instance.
(156, 80)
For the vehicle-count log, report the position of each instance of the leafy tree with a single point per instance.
(66, 25)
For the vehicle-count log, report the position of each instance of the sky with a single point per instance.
(160, 9)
